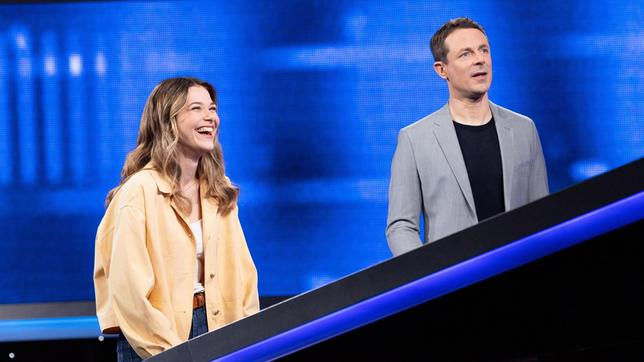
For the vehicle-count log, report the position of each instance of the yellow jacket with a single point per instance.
(145, 261)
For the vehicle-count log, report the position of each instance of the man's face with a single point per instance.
(469, 64)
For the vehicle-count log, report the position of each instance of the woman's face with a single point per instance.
(197, 122)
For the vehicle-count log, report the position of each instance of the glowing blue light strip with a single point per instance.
(6, 153)
(49, 328)
(497, 261)
(25, 114)
(77, 131)
(53, 125)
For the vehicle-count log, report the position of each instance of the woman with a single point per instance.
(171, 260)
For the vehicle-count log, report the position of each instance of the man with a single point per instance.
(467, 161)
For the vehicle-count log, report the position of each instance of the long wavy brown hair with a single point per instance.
(157, 143)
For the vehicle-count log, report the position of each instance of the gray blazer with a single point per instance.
(428, 174)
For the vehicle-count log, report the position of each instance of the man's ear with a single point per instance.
(439, 67)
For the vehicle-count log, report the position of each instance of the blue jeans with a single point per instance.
(125, 352)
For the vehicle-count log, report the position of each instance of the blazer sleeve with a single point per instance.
(102, 253)
(132, 278)
(538, 183)
(405, 199)
(250, 297)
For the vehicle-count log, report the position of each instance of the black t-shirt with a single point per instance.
(482, 155)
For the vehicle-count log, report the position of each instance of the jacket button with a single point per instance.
(215, 312)
(212, 275)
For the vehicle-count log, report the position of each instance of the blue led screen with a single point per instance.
(311, 97)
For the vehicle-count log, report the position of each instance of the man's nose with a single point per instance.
(480, 58)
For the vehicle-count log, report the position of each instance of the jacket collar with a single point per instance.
(446, 135)
(162, 182)
(506, 143)
(164, 186)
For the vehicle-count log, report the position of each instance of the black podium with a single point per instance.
(559, 279)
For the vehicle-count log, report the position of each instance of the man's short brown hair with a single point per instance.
(439, 49)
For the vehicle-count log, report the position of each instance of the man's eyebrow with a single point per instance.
(463, 49)
(470, 48)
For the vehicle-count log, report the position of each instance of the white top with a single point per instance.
(196, 231)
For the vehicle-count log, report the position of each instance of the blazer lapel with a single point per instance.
(446, 136)
(506, 144)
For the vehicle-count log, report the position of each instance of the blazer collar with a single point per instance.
(445, 133)
(506, 144)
